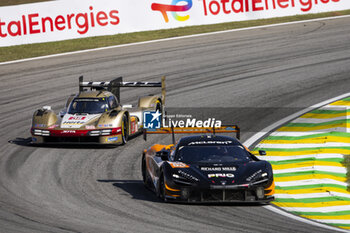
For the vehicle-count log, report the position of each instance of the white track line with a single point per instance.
(293, 134)
(301, 145)
(318, 131)
(319, 209)
(310, 182)
(318, 120)
(294, 157)
(341, 170)
(174, 38)
(255, 138)
(312, 195)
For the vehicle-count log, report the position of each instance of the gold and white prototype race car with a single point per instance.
(95, 116)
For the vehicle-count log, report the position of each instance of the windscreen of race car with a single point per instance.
(88, 106)
(214, 154)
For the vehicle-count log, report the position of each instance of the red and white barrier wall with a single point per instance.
(70, 19)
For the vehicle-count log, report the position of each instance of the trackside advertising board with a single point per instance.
(70, 19)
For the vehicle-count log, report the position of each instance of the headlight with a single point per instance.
(40, 132)
(106, 131)
(103, 132)
(258, 178)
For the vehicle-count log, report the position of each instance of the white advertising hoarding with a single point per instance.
(70, 19)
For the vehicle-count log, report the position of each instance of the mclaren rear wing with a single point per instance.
(193, 130)
(115, 85)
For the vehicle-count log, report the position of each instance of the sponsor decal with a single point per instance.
(77, 121)
(189, 176)
(38, 23)
(218, 169)
(225, 7)
(174, 8)
(249, 178)
(221, 175)
(34, 139)
(178, 165)
(112, 139)
(210, 142)
(53, 126)
(90, 127)
(105, 126)
(152, 119)
(68, 131)
(40, 125)
(73, 122)
(76, 118)
(133, 127)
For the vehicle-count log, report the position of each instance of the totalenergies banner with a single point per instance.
(70, 19)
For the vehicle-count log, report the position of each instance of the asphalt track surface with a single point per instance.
(266, 74)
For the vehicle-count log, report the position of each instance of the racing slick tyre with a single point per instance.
(162, 189)
(159, 106)
(145, 176)
(125, 133)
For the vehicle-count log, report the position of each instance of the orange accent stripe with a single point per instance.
(169, 194)
(271, 189)
(170, 189)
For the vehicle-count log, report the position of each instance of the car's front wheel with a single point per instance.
(145, 176)
(161, 192)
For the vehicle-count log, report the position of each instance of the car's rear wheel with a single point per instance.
(124, 128)
(159, 106)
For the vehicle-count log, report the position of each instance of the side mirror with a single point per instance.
(62, 113)
(163, 154)
(262, 152)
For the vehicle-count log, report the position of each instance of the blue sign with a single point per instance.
(152, 119)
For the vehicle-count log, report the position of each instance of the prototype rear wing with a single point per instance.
(115, 85)
(193, 130)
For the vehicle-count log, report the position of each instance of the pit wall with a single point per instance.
(70, 19)
(307, 157)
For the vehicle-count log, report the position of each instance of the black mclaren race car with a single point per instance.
(206, 168)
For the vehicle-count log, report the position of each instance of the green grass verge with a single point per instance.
(41, 49)
(346, 163)
(17, 2)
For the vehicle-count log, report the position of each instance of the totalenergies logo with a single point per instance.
(173, 8)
